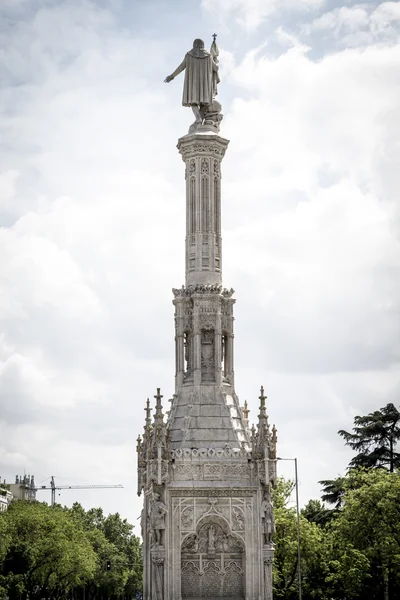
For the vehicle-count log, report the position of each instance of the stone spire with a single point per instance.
(206, 410)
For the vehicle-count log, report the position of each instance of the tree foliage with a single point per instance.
(374, 438)
(352, 555)
(49, 550)
(47, 553)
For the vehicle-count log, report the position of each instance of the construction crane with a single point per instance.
(53, 487)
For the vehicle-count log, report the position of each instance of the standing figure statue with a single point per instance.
(200, 85)
(267, 519)
(157, 512)
(211, 539)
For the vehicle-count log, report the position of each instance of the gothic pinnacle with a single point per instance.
(245, 412)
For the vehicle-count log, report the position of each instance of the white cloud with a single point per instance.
(250, 14)
(360, 24)
(93, 230)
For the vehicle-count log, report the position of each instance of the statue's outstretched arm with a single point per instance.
(178, 70)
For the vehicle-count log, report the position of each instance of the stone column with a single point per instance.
(218, 349)
(157, 573)
(202, 154)
(268, 556)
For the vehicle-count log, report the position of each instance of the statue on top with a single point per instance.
(200, 85)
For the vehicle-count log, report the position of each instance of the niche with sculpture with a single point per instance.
(207, 355)
(212, 561)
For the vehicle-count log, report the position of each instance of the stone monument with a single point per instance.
(207, 521)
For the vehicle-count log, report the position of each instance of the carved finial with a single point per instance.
(262, 399)
(148, 415)
(245, 412)
(214, 37)
(273, 442)
(158, 397)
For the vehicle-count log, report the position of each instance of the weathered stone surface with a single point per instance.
(207, 521)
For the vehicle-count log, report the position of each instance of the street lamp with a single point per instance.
(298, 523)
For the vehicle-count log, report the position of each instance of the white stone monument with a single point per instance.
(207, 521)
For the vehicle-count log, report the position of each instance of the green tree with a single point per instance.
(374, 438)
(47, 553)
(316, 512)
(369, 525)
(313, 545)
(333, 491)
(113, 540)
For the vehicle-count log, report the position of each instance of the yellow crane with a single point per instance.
(53, 487)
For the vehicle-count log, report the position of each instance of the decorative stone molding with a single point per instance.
(226, 471)
(213, 453)
(203, 288)
(211, 471)
(207, 321)
(187, 472)
(213, 492)
(187, 519)
(237, 519)
(190, 146)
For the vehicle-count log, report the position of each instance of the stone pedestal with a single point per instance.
(157, 573)
(268, 555)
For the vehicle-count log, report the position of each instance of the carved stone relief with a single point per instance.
(153, 470)
(204, 166)
(226, 471)
(237, 519)
(187, 518)
(212, 563)
(202, 288)
(199, 148)
(204, 493)
(226, 323)
(207, 352)
(187, 472)
(210, 453)
(207, 321)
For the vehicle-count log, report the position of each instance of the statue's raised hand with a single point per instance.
(168, 79)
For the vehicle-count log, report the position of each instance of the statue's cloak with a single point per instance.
(201, 77)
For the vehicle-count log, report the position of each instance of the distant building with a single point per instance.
(24, 488)
(5, 496)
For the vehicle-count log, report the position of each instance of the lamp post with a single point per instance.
(298, 524)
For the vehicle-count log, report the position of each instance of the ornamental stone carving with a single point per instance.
(207, 321)
(210, 453)
(157, 512)
(204, 166)
(188, 151)
(187, 472)
(207, 344)
(237, 519)
(187, 519)
(202, 288)
(226, 471)
(268, 523)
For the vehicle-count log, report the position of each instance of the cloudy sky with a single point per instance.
(92, 224)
